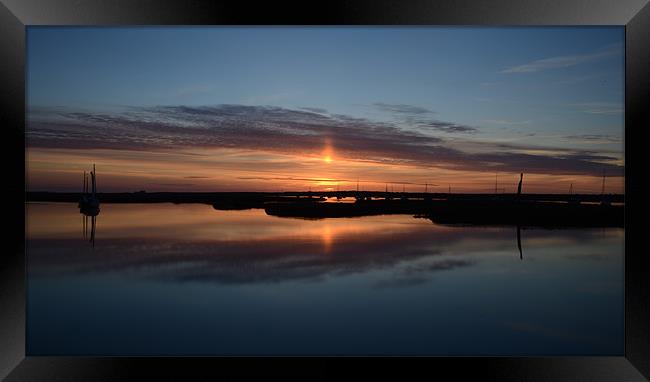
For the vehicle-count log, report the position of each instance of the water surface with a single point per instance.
(165, 279)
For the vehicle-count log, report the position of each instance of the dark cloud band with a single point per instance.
(298, 132)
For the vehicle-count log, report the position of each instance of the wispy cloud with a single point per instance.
(506, 122)
(447, 127)
(176, 184)
(418, 117)
(297, 132)
(293, 178)
(600, 107)
(329, 180)
(315, 110)
(402, 108)
(564, 61)
(594, 138)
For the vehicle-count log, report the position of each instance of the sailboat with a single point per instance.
(89, 203)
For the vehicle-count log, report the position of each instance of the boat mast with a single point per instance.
(94, 185)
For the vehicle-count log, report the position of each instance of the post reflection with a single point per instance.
(521, 256)
(89, 225)
(176, 242)
(391, 271)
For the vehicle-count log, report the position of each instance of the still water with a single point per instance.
(165, 279)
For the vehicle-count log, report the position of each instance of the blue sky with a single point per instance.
(556, 87)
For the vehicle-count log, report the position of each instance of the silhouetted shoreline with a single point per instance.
(464, 212)
(549, 210)
(253, 197)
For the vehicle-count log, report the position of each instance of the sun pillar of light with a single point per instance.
(328, 151)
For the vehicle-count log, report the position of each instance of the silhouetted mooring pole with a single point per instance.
(521, 178)
(94, 180)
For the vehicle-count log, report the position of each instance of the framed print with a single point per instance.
(206, 185)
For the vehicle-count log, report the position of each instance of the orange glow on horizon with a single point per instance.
(211, 170)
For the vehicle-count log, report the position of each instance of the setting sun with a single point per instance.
(184, 177)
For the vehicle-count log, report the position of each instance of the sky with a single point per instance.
(322, 108)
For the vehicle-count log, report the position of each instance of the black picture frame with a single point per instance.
(15, 15)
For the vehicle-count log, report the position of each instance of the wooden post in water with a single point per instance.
(521, 178)
(92, 176)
